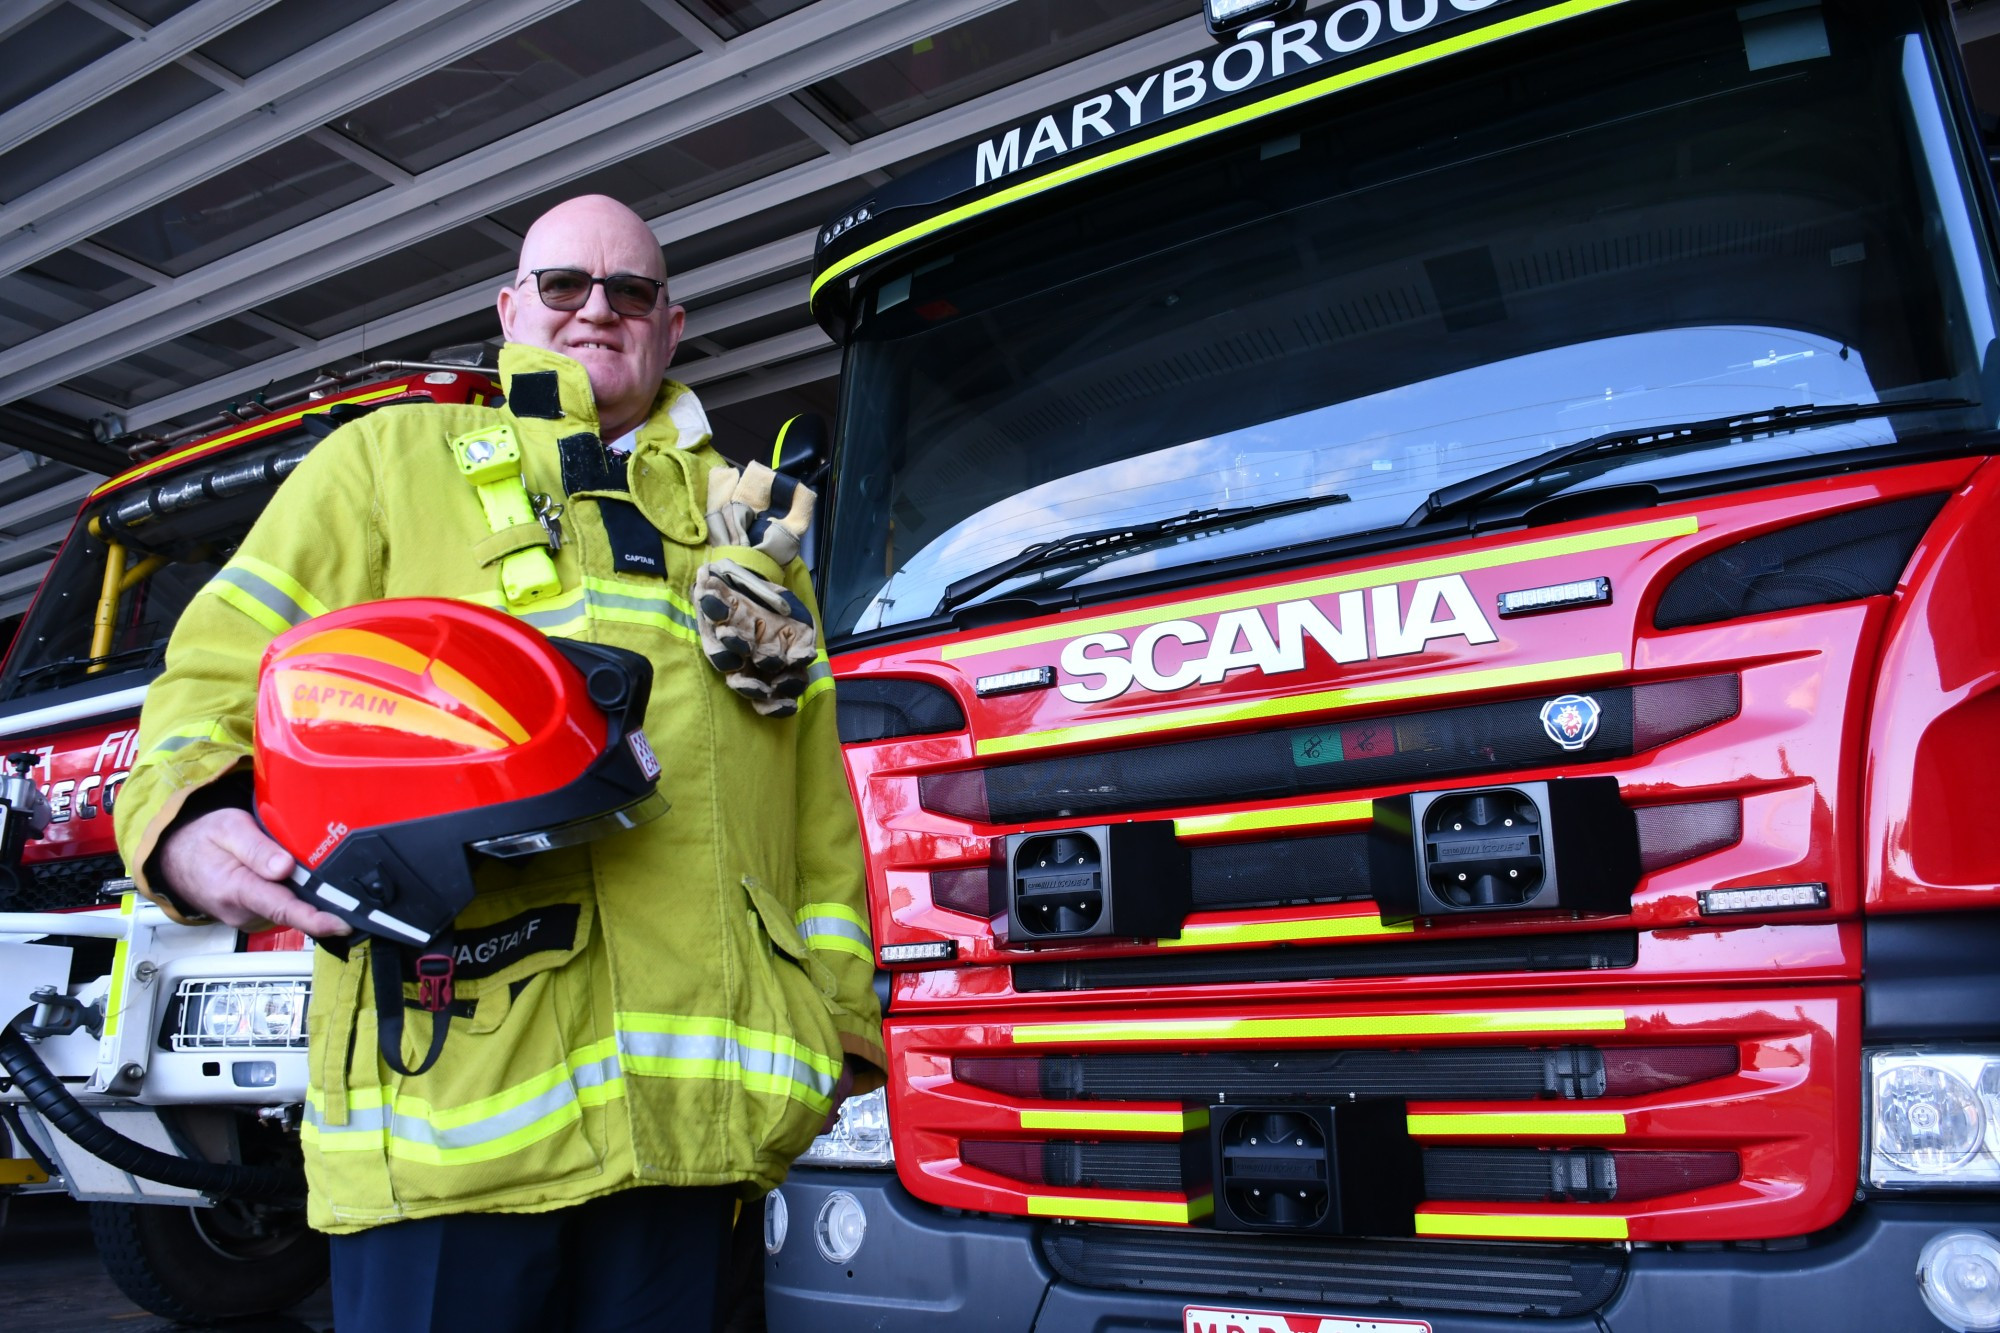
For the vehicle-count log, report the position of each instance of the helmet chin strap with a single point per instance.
(434, 996)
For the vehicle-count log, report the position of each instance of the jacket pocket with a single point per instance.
(509, 1112)
(783, 933)
(788, 995)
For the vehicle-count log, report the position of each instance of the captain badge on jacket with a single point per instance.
(572, 1010)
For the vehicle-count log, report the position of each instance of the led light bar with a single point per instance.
(931, 951)
(1555, 597)
(1013, 682)
(1784, 898)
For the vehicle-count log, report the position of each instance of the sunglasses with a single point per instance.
(569, 289)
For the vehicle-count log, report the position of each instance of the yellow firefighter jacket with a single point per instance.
(669, 1005)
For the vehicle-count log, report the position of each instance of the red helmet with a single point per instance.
(397, 737)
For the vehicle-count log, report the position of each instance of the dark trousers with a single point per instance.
(641, 1259)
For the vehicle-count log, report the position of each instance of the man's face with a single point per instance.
(626, 356)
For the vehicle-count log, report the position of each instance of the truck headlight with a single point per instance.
(215, 1015)
(859, 1137)
(1933, 1119)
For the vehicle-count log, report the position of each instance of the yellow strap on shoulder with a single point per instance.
(490, 459)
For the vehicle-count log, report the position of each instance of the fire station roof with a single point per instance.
(202, 199)
(205, 199)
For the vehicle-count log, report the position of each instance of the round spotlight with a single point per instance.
(842, 1225)
(777, 1220)
(1959, 1276)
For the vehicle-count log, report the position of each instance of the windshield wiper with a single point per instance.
(81, 660)
(1104, 541)
(1463, 495)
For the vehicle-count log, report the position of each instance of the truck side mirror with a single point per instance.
(803, 449)
(800, 457)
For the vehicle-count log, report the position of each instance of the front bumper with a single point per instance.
(924, 1268)
(132, 1062)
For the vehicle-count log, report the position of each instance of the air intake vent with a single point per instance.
(973, 892)
(1546, 1280)
(1533, 953)
(887, 710)
(1333, 755)
(1482, 1073)
(1484, 1175)
(54, 886)
(1859, 553)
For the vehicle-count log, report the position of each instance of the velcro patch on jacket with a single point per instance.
(535, 394)
(588, 466)
(484, 950)
(636, 547)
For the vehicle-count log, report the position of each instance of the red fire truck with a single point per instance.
(187, 1043)
(1407, 599)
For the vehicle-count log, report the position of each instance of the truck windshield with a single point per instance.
(165, 536)
(1606, 230)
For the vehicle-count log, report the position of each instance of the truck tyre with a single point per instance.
(197, 1265)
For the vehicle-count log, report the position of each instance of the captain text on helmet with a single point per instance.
(668, 1014)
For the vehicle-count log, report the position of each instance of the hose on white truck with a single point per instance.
(65, 1113)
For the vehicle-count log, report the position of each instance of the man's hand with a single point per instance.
(222, 865)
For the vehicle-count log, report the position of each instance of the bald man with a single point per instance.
(660, 1026)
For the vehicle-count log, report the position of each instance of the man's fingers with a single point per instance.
(223, 865)
(281, 907)
(236, 832)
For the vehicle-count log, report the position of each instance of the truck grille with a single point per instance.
(49, 886)
(1334, 868)
(1465, 1073)
(1544, 953)
(1626, 1113)
(1330, 756)
(1545, 1280)
(1490, 1175)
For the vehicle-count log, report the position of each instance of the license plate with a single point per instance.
(1204, 1319)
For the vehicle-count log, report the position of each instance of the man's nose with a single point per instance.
(597, 310)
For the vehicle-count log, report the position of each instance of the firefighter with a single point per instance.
(610, 1093)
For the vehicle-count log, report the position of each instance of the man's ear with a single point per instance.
(670, 331)
(504, 303)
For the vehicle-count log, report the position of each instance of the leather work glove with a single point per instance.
(753, 629)
(782, 510)
(759, 509)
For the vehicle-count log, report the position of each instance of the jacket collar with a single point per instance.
(545, 385)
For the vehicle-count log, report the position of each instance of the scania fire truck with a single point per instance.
(155, 1069)
(1411, 601)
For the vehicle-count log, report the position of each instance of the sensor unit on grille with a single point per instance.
(1568, 845)
(885, 709)
(1348, 1170)
(1125, 881)
(1852, 554)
